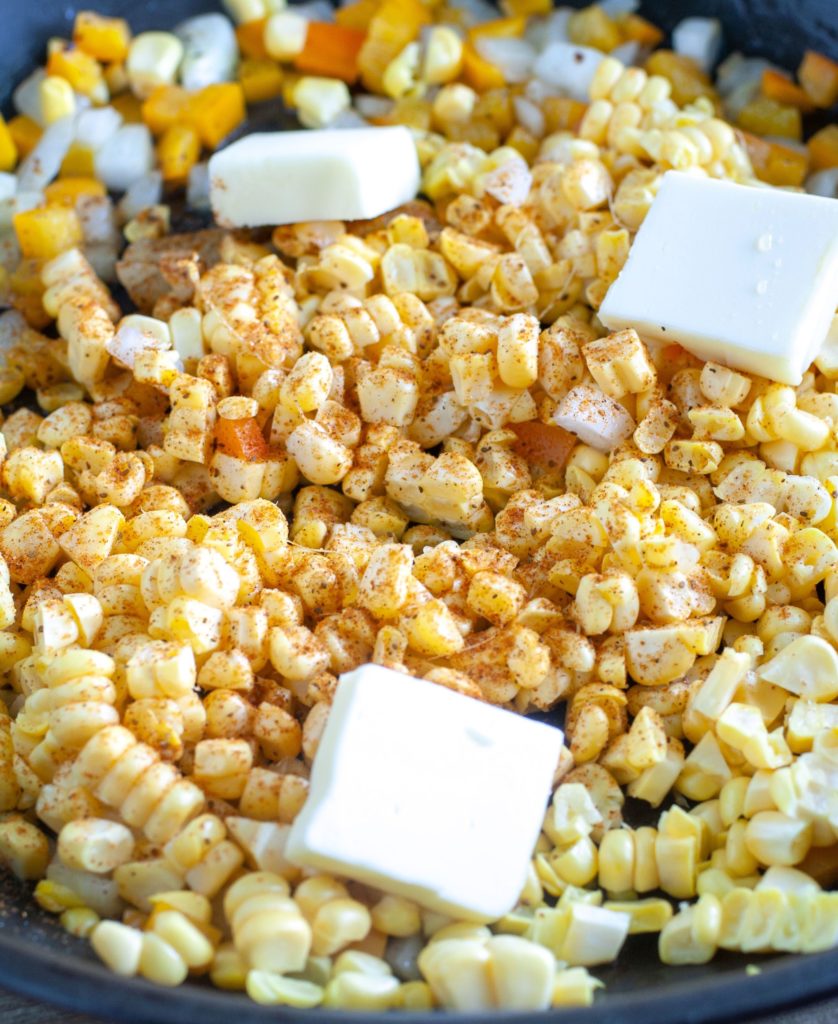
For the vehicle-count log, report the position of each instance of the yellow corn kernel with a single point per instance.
(118, 946)
(270, 989)
(57, 99)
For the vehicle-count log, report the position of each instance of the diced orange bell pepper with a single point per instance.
(396, 23)
(129, 106)
(479, 73)
(823, 148)
(8, 147)
(545, 446)
(357, 15)
(331, 51)
(47, 231)
(164, 107)
(82, 71)
(78, 163)
(818, 75)
(215, 111)
(67, 191)
(25, 134)
(639, 30)
(774, 163)
(251, 38)
(242, 439)
(781, 88)
(178, 150)
(261, 79)
(763, 116)
(106, 39)
(499, 28)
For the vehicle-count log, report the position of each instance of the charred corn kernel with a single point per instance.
(178, 151)
(57, 99)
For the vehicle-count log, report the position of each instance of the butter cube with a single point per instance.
(742, 275)
(332, 174)
(426, 794)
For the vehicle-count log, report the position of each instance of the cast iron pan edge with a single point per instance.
(38, 959)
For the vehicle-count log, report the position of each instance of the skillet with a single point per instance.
(38, 959)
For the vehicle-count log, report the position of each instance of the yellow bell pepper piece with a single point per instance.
(78, 163)
(25, 134)
(67, 191)
(47, 231)
(81, 70)
(165, 107)
(499, 28)
(178, 151)
(215, 111)
(8, 147)
(479, 73)
(396, 23)
(106, 39)
(260, 78)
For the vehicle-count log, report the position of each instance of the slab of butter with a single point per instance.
(426, 794)
(741, 275)
(338, 174)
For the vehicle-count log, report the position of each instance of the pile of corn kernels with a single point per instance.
(338, 446)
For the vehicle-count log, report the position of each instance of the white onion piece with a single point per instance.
(27, 96)
(571, 68)
(126, 156)
(530, 116)
(700, 39)
(373, 106)
(95, 127)
(44, 162)
(144, 192)
(553, 28)
(210, 51)
(514, 57)
(198, 187)
(824, 183)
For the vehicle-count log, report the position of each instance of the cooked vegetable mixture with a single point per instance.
(406, 441)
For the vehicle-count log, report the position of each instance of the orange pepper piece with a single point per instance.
(106, 39)
(215, 111)
(819, 77)
(251, 38)
(331, 51)
(779, 87)
(639, 30)
(241, 439)
(823, 148)
(479, 73)
(357, 15)
(164, 107)
(261, 79)
(775, 163)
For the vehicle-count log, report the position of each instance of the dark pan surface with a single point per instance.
(39, 959)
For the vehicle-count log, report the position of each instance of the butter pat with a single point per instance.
(745, 276)
(339, 174)
(426, 794)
